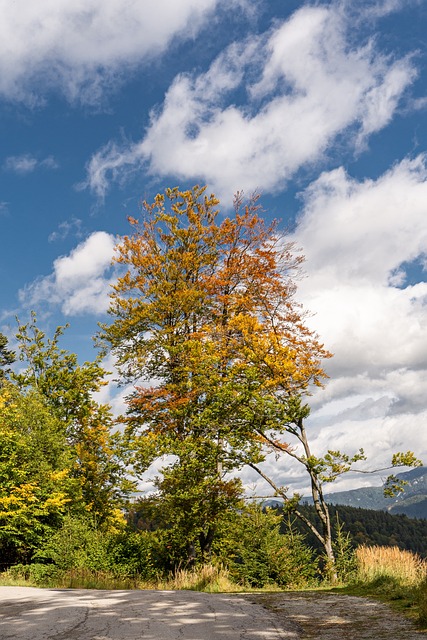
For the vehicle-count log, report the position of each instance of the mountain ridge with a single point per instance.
(411, 502)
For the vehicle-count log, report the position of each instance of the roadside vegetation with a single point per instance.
(255, 557)
(394, 576)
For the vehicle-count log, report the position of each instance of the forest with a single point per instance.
(206, 331)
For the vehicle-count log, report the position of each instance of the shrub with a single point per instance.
(345, 555)
(19, 572)
(76, 545)
(260, 555)
(45, 575)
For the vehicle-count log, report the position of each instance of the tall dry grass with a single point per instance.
(208, 578)
(404, 567)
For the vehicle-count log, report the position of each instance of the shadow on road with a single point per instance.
(39, 614)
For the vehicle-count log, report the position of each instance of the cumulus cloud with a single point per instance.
(303, 84)
(360, 239)
(80, 282)
(27, 163)
(82, 47)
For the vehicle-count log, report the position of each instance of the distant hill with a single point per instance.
(412, 502)
(368, 527)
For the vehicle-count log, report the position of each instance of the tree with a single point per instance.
(7, 357)
(260, 550)
(35, 484)
(68, 389)
(206, 310)
(67, 386)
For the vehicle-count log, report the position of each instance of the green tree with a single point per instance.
(68, 389)
(7, 357)
(36, 488)
(258, 553)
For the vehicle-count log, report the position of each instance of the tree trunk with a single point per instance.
(206, 543)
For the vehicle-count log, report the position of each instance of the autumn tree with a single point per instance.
(201, 306)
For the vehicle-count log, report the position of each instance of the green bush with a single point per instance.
(19, 572)
(345, 555)
(259, 555)
(77, 545)
(137, 554)
(45, 575)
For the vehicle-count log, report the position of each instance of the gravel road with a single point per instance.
(53, 614)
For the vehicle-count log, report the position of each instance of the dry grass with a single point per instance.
(390, 562)
(208, 578)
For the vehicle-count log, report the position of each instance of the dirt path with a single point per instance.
(337, 617)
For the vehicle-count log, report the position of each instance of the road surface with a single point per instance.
(76, 614)
(28, 613)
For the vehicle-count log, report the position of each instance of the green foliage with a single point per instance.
(394, 485)
(78, 545)
(345, 558)
(259, 555)
(56, 374)
(68, 389)
(194, 499)
(334, 464)
(7, 357)
(138, 554)
(35, 483)
(191, 507)
(43, 575)
(57, 454)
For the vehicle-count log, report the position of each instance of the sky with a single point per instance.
(319, 106)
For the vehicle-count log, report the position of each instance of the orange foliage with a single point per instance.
(207, 308)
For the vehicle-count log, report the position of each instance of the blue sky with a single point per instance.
(319, 106)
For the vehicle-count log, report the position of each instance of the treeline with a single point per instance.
(369, 527)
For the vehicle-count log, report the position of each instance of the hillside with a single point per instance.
(370, 527)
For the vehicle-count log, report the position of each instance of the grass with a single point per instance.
(208, 578)
(390, 562)
(395, 577)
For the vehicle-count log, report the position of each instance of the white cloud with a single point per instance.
(80, 282)
(357, 236)
(303, 84)
(82, 46)
(64, 229)
(26, 163)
